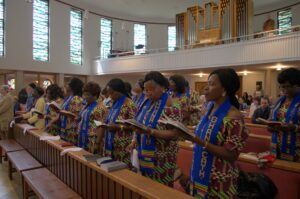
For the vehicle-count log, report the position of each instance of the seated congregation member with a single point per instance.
(179, 97)
(6, 111)
(93, 110)
(138, 93)
(36, 117)
(53, 94)
(286, 137)
(118, 137)
(73, 104)
(254, 105)
(220, 137)
(157, 147)
(30, 98)
(263, 111)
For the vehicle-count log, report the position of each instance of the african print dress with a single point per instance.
(54, 129)
(120, 139)
(181, 102)
(281, 116)
(87, 128)
(68, 125)
(159, 161)
(232, 136)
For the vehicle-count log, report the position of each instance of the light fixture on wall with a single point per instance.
(279, 67)
(200, 74)
(245, 73)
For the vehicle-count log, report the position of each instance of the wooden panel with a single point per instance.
(119, 191)
(94, 184)
(127, 193)
(105, 187)
(112, 189)
(99, 186)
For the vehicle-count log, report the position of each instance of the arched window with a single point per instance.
(46, 83)
(12, 83)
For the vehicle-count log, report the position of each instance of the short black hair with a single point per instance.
(93, 88)
(22, 96)
(230, 81)
(290, 75)
(158, 78)
(54, 91)
(118, 85)
(141, 83)
(32, 85)
(179, 83)
(128, 88)
(39, 91)
(76, 86)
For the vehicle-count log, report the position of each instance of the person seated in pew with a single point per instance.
(53, 94)
(254, 105)
(36, 117)
(286, 137)
(157, 147)
(73, 103)
(220, 137)
(117, 137)
(263, 111)
(93, 110)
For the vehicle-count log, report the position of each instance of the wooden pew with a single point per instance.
(8, 145)
(285, 175)
(86, 178)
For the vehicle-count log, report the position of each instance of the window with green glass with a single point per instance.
(284, 21)
(171, 38)
(105, 37)
(139, 38)
(40, 35)
(76, 25)
(2, 19)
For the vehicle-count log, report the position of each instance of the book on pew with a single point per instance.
(134, 123)
(120, 121)
(267, 122)
(54, 105)
(104, 160)
(67, 113)
(99, 123)
(113, 166)
(92, 157)
(179, 126)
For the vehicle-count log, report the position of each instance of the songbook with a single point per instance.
(104, 160)
(45, 137)
(267, 122)
(178, 125)
(113, 166)
(99, 123)
(54, 105)
(67, 113)
(92, 157)
(134, 123)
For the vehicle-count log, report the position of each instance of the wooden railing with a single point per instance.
(88, 179)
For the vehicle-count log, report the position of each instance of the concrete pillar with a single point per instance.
(268, 82)
(60, 79)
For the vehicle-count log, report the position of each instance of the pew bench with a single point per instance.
(9, 145)
(46, 185)
(21, 161)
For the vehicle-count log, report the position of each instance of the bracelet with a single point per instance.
(205, 145)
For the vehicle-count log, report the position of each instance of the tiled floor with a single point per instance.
(9, 189)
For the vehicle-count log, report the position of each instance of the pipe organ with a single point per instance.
(214, 21)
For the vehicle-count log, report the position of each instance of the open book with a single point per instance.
(67, 113)
(267, 122)
(99, 123)
(178, 125)
(54, 105)
(134, 123)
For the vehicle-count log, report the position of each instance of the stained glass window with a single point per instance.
(139, 38)
(46, 83)
(76, 36)
(284, 21)
(171, 38)
(11, 83)
(41, 30)
(2, 18)
(105, 37)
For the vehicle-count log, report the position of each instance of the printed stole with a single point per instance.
(138, 100)
(147, 143)
(47, 111)
(85, 115)
(207, 130)
(114, 112)
(288, 145)
(65, 106)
